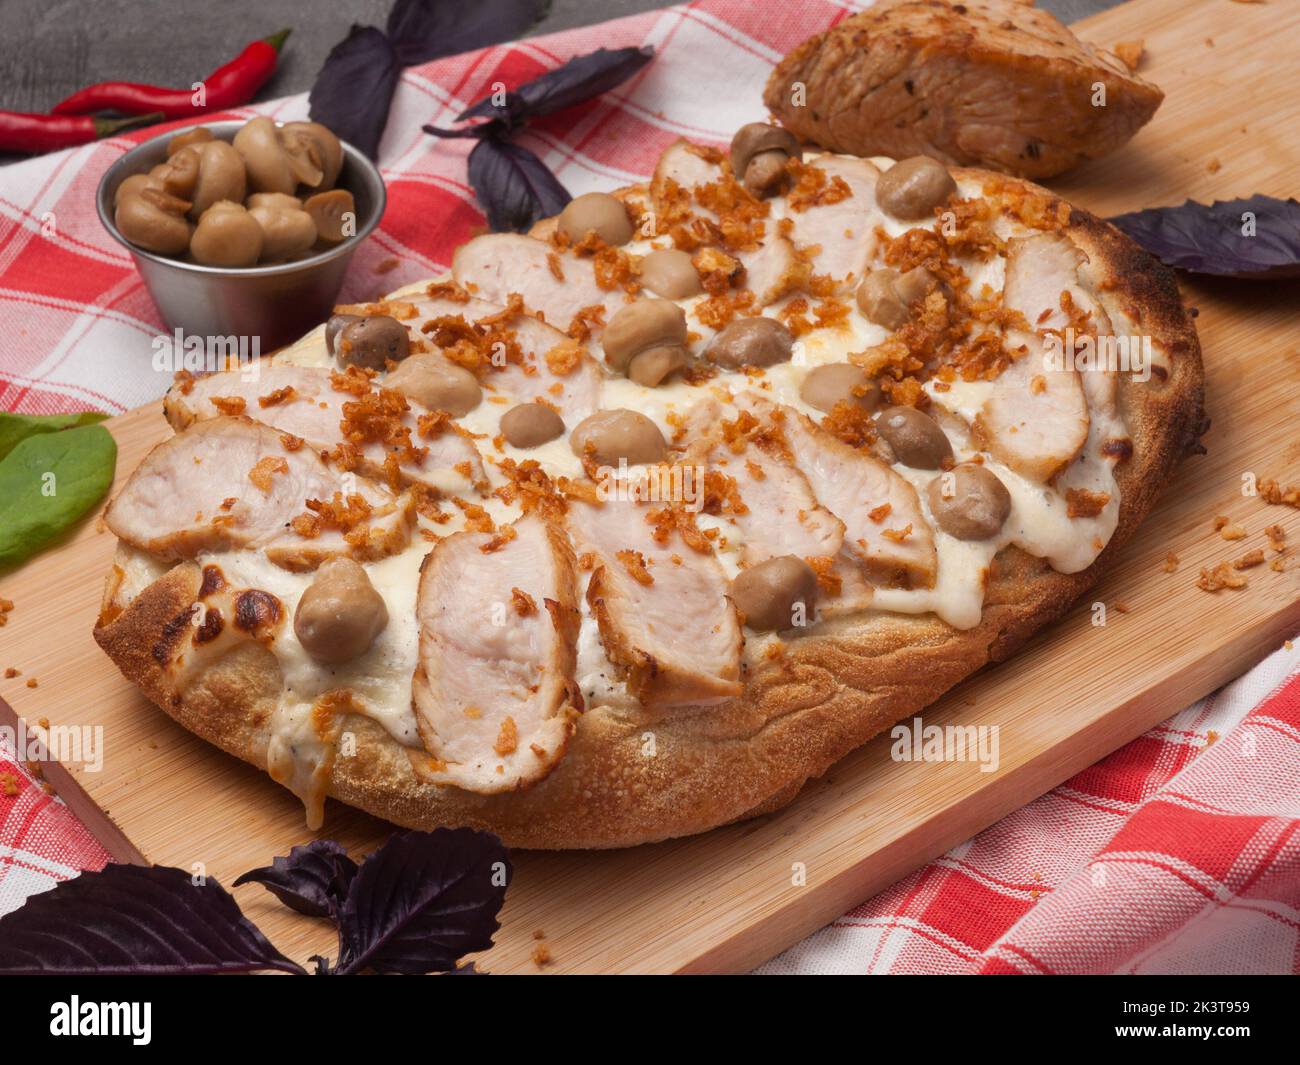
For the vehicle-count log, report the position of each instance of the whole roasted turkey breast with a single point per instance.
(991, 83)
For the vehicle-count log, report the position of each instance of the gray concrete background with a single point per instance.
(50, 49)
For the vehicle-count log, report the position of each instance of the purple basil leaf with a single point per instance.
(312, 879)
(422, 30)
(422, 901)
(1209, 238)
(134, 919)
(354, 88)
(577, 81)
(513, 185)
(492, 128)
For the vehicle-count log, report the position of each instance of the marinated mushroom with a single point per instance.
(334, 213)
(276, 162)
(646, 340)
(372, 342)
(839, 382)
(221, 176)
(153, 220)
(324, 149)
(610, 435)
(777, 594)
(969, 502)
(227, 235)
(531, 425)
(670, 273)
(914, 438)
(912, 188)
(335, 326)
(433, 382)
(340, 613)
(750, 342)
(191, 137)
(759, 153)
(599, 213)
(886, 296)
(287, 230)
(179, 174)
(134, 184)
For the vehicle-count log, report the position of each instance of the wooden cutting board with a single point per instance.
(728, 900)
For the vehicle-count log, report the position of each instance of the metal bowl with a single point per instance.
(275, 303)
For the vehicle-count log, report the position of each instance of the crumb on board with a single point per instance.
(1278, 495)
(539, 933)
(10, 673)
(32, 682)
(1250, 559)
(1219, 577)
(1276, 536)
(1171, 562)
(1213, 166)
(1122, 608)
(541, 955)
(1229, 529)
(1130, 53)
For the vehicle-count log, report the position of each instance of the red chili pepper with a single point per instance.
(226, 87)
(21, 131)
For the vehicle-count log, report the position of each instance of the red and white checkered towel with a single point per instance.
(1166, 856)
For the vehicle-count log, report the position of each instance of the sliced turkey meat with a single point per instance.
(884, 526)
(665, 619)
(773, 270)
(301, 401)
(498, 265)
(780, 514)
(839, 233)
(1036, 417)
(494, 691)
(569, 378)
(682, 165)
(1042, 275)
(229, 483)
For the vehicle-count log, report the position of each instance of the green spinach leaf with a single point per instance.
(47, 484)
(18, 427)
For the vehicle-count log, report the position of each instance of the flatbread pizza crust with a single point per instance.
(635, 778)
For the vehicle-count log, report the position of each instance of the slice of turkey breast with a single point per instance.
(232, 483)
(497, 265)
(314, 412)
(1040, 270)
(1036, 418)
(896, 544)
(772, 270)
(783, 517)
(675, 639)
(991, 83)
(494, 693)
(574, 392)
(840, 236)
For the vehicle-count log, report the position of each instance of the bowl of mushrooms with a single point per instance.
(243, 229)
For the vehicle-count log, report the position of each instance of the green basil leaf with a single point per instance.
(48, 482)
(16, 427)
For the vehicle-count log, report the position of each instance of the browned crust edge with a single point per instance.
(626, 780)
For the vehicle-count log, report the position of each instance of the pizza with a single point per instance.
(629, 526)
